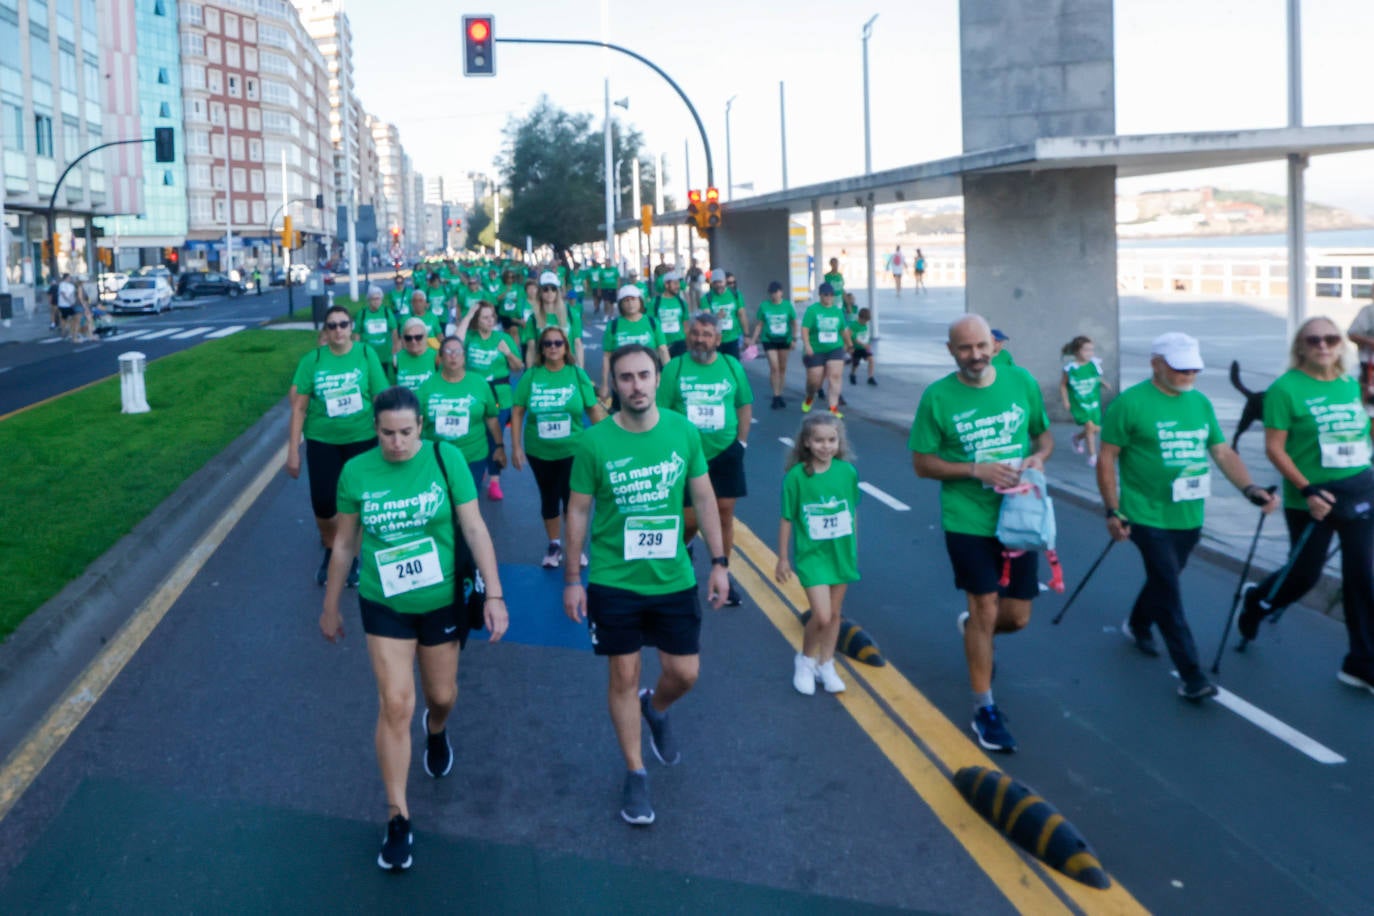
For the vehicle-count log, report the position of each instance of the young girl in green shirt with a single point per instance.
(1080, 390)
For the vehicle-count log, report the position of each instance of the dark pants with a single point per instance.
(1160, 602)
(554, 477)
(1357, 574)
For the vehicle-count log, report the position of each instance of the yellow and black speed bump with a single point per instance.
(1031, 823)
(855, 642)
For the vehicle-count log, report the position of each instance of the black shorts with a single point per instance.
(66, 312)
(432, 628)
(776, 345)
(677, 348)
(977, 563)
(818, 359)
(323, 464)
(607, 296)
(726, 473)
(859, 354)
(729, 347)
(622, 622)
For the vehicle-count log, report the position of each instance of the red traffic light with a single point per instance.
(479, 30)
(694, 197)
(479, 36)
(712, 195)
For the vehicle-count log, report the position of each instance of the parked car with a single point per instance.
(144, 294)
(206, 283)
(110, 283)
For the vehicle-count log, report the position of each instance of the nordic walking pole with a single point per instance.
(1084, 581)
(1283, 576)
(1240, 586)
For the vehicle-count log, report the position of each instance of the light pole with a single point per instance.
(868, 170)
(729, 173)
(1297, 164)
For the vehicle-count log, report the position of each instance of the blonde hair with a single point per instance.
(559, 310)
(800, 452)
(1298, 348)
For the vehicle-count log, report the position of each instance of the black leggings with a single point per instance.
(323, 464)
(553, 478)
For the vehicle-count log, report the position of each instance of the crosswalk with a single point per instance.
(207, 332)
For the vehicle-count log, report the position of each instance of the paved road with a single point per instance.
(236, 736)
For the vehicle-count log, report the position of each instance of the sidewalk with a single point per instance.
(26, 326)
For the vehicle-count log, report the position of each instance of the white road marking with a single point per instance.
(186, 335)
(225, 332)
(786, 441)
(890, 501)
(163, 333)
(1279, 729)
(52, 340)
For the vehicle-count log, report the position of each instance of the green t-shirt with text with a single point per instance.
(340, 391)
(414, 371)
(1328, 429)
(456, 412)
(776, 321)
(1084, 391)
(671, 312)
(823, 509)
(836, 281)
(487, 361)
(959, 423)
(824, 326)
(728, 307)
(621, 331)
(1165, 462)
(860, 333)
(709, 395)
(375, 328)
(637, 482)
(554, 405)
(407, 557)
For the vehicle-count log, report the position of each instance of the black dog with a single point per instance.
(1254, 405)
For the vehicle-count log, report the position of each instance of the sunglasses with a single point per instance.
(554, 288)
(337, 325)
(1316, 340)
(552, 342)
(414, 336)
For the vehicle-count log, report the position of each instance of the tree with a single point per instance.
(478, 225)
(552, 167)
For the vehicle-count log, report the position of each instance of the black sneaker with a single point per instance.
(1359, 677)
(352, 580)
(777, 403)
(1252, 612)
(322, 574)
(660, 733)
(732, 597)
(1197, 688)
(395, 854)
(635, 807)
(438, 752)
(782, 402)
(1142, 640)
(990, 728)
(843, 402)
(853, 379)
(872, 381)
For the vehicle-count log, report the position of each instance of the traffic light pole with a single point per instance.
(701, 128)
(52, 201)
(272, 228)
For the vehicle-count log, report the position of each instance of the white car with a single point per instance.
(144, 294)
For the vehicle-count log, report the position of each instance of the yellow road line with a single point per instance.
(946, 744)
(51, 398)
(29, 759)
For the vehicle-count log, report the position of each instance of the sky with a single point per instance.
(1181, 65)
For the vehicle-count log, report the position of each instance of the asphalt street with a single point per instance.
(237, 736)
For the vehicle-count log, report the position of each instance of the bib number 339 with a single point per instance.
(652, 537)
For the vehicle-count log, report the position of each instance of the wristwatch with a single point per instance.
(1111, 513)
(721, 561)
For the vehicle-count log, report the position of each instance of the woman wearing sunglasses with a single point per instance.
(1316, 433)
(331, 406)
(415, 360)
(550, 310)
(546, 424)
(492, 355)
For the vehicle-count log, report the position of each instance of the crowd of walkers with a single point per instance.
(405, 406)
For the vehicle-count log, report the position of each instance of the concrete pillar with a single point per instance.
(817, 249)
(754, 247)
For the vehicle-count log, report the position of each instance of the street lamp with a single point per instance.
(729, 173)
(868, 170)
(868, 138)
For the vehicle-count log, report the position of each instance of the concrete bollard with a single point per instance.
(133, 394)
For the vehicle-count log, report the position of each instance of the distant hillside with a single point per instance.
(1273, 204)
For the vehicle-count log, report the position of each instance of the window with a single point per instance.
(160, 9)
(240, 211)
(235, 90)
(255, 119)
(12, 124)
(255, 181)
(212, 49)
(250, 86)
(236, 148)
(212, 19)
(164, 110)
(240, 179)
(217, 145)
(220, 209)
(259, 212)
(255, 151)
(215, 79)
(42, 135)
(250, 59)
(217, 113)
(236, 117)
(197, 111)
(193, 43)
(276, 37)
(250, 31)
(198, 141)
(167, 178)
(162, 76)
(193, 76)
(193, 13)
(231, 54)
(199, 174)
(201, 209)
(279, 94)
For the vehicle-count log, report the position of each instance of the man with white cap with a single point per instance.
(728, 307)
(671, 311)
(1162, 432)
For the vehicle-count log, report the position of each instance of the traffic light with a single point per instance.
(695, 209)
(713, 211)
(319, 201)
(164, 147)
(57, 245)
(479, 45)
(286, 232)
(395, 235)
(646, 218)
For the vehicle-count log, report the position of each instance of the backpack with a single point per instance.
(1026, 523)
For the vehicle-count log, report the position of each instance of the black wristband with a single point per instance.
(1111, 513)
(1311, 490)
(721, 561)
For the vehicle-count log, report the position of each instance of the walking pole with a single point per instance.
(1240, 586)
(1084, 581)
(1283, 575)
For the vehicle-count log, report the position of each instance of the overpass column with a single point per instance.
(817, 248)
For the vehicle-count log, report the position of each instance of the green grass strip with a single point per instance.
(79, 475)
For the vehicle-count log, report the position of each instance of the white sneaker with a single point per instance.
(829, 677)
(804, 675)
(584, 559)
(1092, 461)
(962, 622)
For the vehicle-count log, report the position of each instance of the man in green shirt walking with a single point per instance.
(636, 467)
(1161, 433)
(974, 431)
(671, 310)
(728, 307)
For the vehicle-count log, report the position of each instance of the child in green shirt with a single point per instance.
(861, 333)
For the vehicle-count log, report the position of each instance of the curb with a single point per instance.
(58, 640)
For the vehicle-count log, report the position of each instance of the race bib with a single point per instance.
(671, 323)
(652, 537)
(452, 425)
(1193, 486)
(554, 426)
(777, 325)
(408, 567)
(707, 417)
(344, 403)
(1010, 455)
(727, 322)
(828, 337)
(1344, 450)
(828, 526)
(375, 326)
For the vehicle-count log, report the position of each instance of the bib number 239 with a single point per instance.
(652, 537)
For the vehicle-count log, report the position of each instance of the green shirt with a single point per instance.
(486, 359)
(434, 323)
(554, 403)
(437, 296)
(1328, 430)
(1084, 390)
(340, 389)
(860, 333)
(621, 331)
(608, 277)
(671, 313)
(1165, 465)
(1002, 359)
(728, 307)
(375, 330)
(398, 300)
(637, 481)
(824, 327)
(823, 510)
(709, 395)
(414, 371)
(469, 298)
(572, 327)
(958, 423)
(776, 320)
(836, 281)
(407, 556)
(456, 412)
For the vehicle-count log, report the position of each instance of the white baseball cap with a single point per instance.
(672, 275)
(628, 291)
(548, 278)
(717, 276)
(1179, 350)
